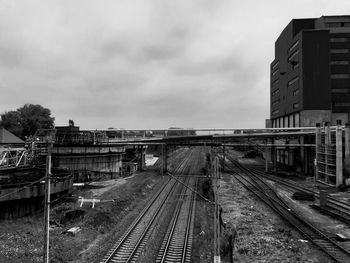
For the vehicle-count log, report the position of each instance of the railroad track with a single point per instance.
(335, 208)
(131, 244)
(177, 243)
(267, 194)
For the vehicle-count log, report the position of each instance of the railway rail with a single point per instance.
(131, 244)
(177, 243)
(335, 208)
(266, 193)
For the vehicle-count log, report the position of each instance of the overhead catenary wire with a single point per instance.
(194, 191)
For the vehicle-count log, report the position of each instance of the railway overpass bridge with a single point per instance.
(323, 151)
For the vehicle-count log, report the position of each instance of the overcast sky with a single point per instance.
(147, 63)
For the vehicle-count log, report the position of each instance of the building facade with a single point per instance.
(310, 73)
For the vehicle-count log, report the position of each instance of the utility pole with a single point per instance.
(47, 205)
(217, 233)
(162, 166)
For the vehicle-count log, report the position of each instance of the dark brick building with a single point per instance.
(310, 73)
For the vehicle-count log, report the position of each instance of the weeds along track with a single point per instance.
(131, 244)
(333, 202)
(177, 242)
(266, 193)
(335, 208)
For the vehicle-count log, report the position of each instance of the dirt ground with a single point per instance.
(256, 232)
(21, 240)
(259, 234)
(326, 223)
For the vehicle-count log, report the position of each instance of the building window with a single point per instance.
(333, 24)
(339, 76)
(340, 90)
(275, 82)
(292, 81)
(275, 92)
(276, 102)
(293, 55)
(295, 64)
(275, 72)
(275, 112)
(296, 92)
(339, 51)
(339, 62)
(341, 104)
(339, 40)
(274, 66)
(295, 105)
(293, 46)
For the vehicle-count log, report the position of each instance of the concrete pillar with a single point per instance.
(274, 158)
(291, 157)
(317, 149)
(347, 152)
(339, 156)
(268, 154)
(327, 140)
(302, 154)
(287, 153)
(141, 158)
(166, 158)
(164, 168)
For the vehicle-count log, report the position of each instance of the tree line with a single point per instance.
(26, 120)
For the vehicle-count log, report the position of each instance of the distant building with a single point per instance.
(310, 73)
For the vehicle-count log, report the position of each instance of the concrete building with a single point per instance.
(310, 73)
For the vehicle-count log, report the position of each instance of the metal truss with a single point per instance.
(13, 157)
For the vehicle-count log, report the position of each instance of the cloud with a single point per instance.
(150, 64)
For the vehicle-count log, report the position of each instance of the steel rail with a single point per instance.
(173, 225)
(189, 229)
(165, 191)
(180, 230)
(334, 203)
(315, 235)
(111, 254)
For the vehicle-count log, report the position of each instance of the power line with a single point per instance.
(19, 189)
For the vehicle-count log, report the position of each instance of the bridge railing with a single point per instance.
(129, 135)
(117, 135)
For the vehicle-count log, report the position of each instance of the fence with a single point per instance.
(330, 152)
